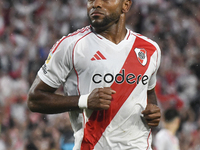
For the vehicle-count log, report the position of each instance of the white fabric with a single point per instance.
(164, 140)
(83, 101)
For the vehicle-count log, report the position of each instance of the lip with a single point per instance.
(96, 13)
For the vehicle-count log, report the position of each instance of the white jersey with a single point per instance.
(83, 61)
(164, 140)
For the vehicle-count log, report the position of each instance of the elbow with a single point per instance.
(30, 105)
(31, 102)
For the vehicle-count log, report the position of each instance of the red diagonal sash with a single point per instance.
(99, 120)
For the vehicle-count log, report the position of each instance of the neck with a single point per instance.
(171, 127)
(114, 32)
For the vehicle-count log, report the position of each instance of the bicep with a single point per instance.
(39, 85)
(38, 92)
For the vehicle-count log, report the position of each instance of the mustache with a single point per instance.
(95, 10)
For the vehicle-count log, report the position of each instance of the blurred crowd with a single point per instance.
(28, 30)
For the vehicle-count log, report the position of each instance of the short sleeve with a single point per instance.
(152, 82)
(58, 64)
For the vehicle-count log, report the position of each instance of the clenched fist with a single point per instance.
(152, 115)
(100, 98)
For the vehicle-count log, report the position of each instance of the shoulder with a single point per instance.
(145, 39)
(68, 42)
(79, 34)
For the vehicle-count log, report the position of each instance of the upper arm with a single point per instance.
(58, 64)
(39, 86)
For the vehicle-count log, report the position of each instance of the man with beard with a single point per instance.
(108, 74)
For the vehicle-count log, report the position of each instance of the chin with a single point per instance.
(98, 24)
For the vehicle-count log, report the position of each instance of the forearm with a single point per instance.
(43, 99)
(49, 103)
(152, 111)
(151, 97)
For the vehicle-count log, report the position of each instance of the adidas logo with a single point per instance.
(98, 56)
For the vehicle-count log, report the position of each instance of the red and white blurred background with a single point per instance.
(28, 30)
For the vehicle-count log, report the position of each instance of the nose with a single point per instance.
(97, 3)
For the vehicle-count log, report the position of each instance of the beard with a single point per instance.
(100, 23)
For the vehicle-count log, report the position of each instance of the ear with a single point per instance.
(126, 6)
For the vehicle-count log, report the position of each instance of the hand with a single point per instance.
(152, 115)
(100, 98)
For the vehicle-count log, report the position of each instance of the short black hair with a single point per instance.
(170, 114)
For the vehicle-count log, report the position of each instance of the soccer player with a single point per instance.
(166, 138)
(108, 73)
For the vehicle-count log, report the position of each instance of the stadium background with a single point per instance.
(29, 28)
